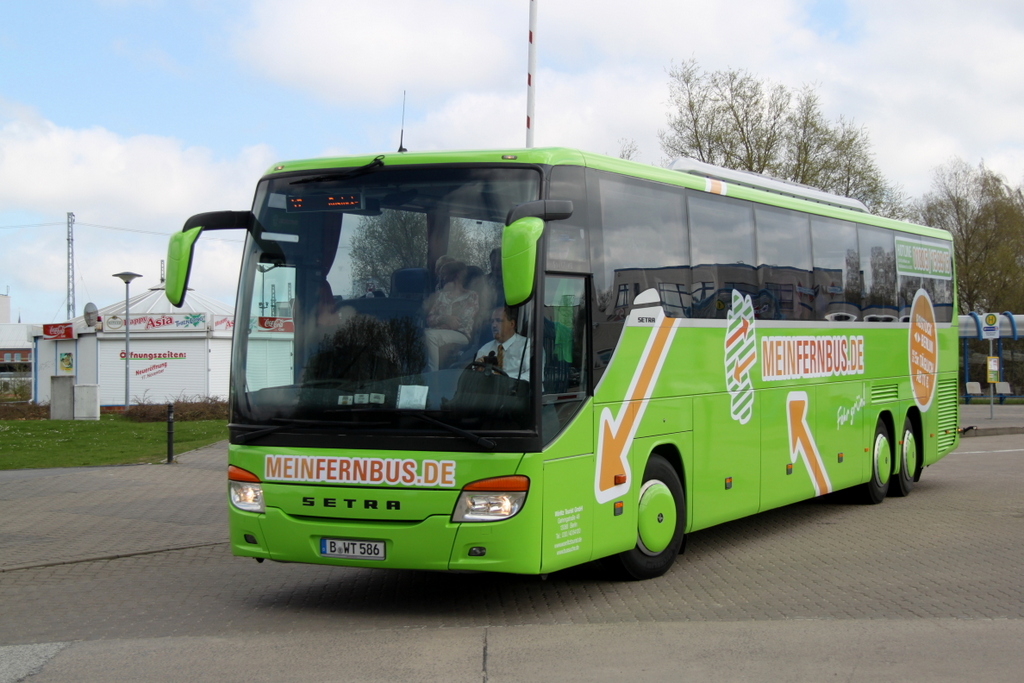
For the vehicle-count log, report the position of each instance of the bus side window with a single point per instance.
(564, 363)
(722, 252)
(837, 279)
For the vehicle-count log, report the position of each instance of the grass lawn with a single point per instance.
(111, 440)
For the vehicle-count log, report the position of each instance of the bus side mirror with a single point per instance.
(182, 246)
(519, 258)
(523, 227)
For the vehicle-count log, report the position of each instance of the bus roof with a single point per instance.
(688, 173)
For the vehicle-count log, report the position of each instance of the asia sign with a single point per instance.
(166, 322)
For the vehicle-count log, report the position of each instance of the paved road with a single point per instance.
(924, 588)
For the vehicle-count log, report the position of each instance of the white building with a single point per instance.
(175, 352)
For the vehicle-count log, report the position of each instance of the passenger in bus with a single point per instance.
(508, 351)
(451, 313)
(441, 262)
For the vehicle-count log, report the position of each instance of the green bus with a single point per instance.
(524, 360)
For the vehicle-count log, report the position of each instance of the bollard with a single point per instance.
(170, 433)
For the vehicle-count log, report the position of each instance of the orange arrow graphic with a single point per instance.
(616, 434)
(742, 366)
(801, 442)
(738, 334)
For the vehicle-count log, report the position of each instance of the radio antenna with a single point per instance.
(401, 137)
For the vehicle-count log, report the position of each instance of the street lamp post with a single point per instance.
(126, 277)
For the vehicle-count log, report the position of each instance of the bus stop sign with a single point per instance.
(990, 326)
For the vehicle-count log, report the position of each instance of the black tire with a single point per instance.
(641, 562)
(876, 488)
(909, 462)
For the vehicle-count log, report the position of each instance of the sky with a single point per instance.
(136, 114)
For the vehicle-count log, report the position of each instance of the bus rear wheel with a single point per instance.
(909, 461)
(877, 487)
(661, 519)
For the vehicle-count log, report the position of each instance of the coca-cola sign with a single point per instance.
(276, 325)
(59, 331)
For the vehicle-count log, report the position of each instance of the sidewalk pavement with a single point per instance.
(63, 515)
(60, 516)
(980, 419)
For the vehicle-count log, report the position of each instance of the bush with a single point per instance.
(186, 409)
(24, 411)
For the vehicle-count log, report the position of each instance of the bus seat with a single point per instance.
(410, 283)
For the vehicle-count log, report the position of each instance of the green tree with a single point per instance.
(985, 215)
(734, 119)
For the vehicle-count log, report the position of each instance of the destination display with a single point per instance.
(325, 202)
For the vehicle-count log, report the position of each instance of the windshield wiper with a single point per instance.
(359, 170)
(481, 441)
(263, 430)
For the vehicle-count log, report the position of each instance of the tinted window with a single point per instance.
(837, 281)
(638, 241)
(723, 249)
(644, 235)
(878, 268)
(784, 264)
(567, 240)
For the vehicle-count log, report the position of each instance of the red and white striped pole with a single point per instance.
(531, 68)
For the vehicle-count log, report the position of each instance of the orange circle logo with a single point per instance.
(924, 350)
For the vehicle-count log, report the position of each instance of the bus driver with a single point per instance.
(509, 351)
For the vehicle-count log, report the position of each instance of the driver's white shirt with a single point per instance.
(516, 363)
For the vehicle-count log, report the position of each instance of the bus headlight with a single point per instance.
(245, 490)
(491, 500)
(246, 496)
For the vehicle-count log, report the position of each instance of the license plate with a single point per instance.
(351, 549)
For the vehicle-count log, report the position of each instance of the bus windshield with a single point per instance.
(374, 295)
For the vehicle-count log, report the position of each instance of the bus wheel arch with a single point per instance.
(661, 521)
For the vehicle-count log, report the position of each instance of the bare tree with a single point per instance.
(387, 242)
(732, 118)
(628, 149)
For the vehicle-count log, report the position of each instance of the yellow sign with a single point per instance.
(993, 369)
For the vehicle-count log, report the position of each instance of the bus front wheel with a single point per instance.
(661, 519)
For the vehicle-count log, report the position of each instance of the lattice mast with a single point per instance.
(530, 70)
(71, 265)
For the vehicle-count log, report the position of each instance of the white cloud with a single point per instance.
(917, 75)
(929, 80)
(365, 54)
(144, 182)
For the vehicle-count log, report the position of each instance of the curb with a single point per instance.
(972, 431)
